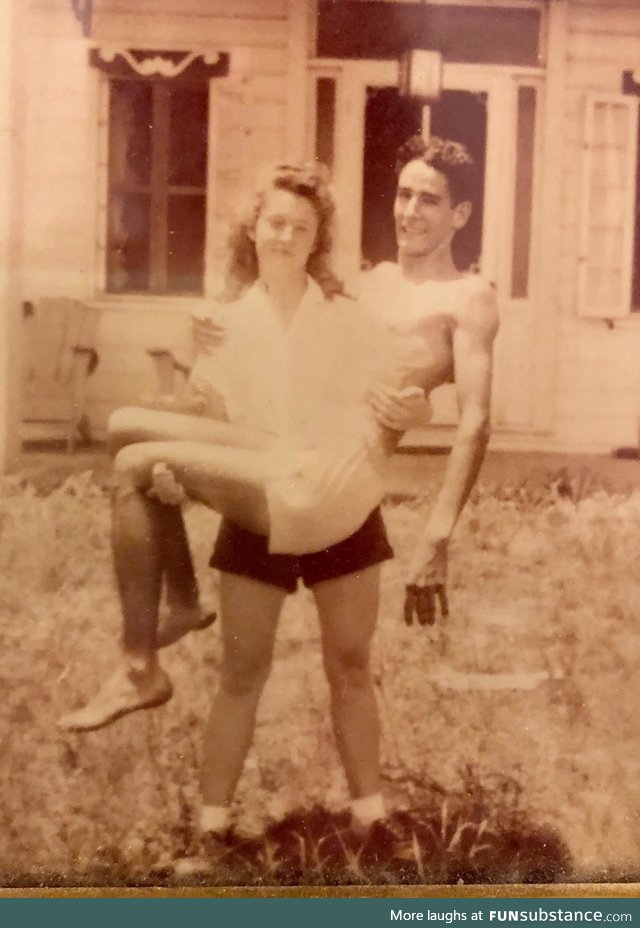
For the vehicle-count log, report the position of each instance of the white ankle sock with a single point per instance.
(214, 818)
(368, 809)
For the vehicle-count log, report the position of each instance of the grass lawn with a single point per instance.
(511, 734)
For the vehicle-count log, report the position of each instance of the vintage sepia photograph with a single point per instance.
(319, 443)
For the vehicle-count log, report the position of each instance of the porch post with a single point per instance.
(10, 233)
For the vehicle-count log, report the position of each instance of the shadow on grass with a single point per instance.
(316, 847)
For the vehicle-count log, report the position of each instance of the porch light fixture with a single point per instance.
(420, 75)
(83, 12)
(631, 82)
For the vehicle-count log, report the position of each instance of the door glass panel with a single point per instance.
(325, 120)
(390, 120)
(525, 141)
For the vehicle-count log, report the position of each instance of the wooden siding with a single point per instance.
(239, 9)
(597, 394)
(186, 32)
(64, 180)
(12, 111)
(57, 174)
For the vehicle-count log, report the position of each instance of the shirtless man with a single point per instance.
(436, 182)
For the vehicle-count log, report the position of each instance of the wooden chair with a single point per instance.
(171, 375)
(60, 338)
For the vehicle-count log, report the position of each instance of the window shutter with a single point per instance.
(608, 206)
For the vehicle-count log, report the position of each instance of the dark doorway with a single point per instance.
(390, 120)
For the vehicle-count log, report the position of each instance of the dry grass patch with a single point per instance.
(511, 734)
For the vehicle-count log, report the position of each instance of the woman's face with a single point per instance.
(285, 232)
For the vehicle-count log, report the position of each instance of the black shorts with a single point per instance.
(238, 551)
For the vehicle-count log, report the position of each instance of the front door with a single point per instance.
(495, 112)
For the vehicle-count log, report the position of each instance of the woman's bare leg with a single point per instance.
(250, 612)
(229, 480)
(132, 424)
(348, 611)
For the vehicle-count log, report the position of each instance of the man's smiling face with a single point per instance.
(425, 218)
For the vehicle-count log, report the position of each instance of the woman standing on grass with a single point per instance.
(296, 475)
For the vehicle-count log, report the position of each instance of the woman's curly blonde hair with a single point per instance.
(309, 180)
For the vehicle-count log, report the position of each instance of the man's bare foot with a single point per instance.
(179, 621)
(122, 693)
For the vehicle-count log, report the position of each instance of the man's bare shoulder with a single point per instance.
(369, 281)
(478, 307)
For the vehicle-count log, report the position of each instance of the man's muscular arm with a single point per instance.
(473, 339)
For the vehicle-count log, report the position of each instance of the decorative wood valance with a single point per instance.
(631, 82)
(159, 64)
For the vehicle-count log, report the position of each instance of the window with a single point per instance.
(157, 126)
(157, 186)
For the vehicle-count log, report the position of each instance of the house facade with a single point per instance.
(139, 127)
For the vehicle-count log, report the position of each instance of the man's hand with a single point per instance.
(207, 334)
(426, 582)
(165, 488)
(400, 410)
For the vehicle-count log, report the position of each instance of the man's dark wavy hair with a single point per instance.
(309, 180)
(450, 158)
